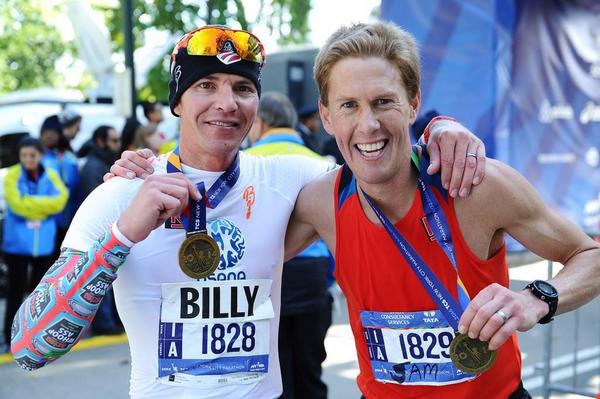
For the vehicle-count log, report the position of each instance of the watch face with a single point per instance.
(546, 288)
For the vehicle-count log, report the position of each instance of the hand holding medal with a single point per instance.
(471, 355)
(159, 198)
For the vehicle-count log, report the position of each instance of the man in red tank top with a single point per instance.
(418, 263)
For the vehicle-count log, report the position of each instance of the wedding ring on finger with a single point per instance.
(472, 154)
(502, 315)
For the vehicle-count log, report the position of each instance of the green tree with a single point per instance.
(30, 47)
(287, 20)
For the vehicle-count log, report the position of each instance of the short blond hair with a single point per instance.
(379, 39)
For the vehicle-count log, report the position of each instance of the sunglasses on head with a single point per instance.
(215, 40)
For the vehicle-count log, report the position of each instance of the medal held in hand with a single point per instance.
(199, 255)
(471, 355)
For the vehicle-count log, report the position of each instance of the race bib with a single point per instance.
(214, 333)
(411, 348)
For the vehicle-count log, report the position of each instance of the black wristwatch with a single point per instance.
(547, 293)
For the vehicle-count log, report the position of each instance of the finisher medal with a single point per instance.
(199, 255)
(471, 355)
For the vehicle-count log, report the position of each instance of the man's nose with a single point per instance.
(226, 99)
(368, 121)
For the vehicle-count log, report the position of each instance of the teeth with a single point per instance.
(371, 147)
(224, 124)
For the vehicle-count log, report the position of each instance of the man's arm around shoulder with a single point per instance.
(313, 216)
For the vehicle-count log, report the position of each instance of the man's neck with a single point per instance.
(394, 198)
(208, 162)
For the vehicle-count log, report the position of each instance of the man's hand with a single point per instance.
(159, 198)
(459, 154)
(132, 164)
(497, 312)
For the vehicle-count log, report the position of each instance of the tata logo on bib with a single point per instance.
(430, 317)
(258, 366)
(230, 240)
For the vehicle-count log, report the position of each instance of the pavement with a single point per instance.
(99, 367)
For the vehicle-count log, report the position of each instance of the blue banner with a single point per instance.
(525, 76)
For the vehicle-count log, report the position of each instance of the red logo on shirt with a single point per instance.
(249, 196)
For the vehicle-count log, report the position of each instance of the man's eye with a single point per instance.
(384, 101)
(246, 89)
(349, 104)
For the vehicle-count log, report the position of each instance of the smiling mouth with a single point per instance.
(371, 149)
(223, 124)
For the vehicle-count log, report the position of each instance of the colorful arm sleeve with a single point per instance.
(58, 312)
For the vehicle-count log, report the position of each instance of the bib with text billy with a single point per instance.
(214, 333)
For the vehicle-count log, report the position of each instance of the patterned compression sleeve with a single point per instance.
(58, 312)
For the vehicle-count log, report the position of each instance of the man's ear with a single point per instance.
(415, 105)
(325, 118)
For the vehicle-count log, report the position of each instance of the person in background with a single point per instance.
(63, 161)
(147, 136)
(309, 123)
(71, 124)
(153, 112)
(33, 195)
(305, 300)
(105, 150)
(128, 133)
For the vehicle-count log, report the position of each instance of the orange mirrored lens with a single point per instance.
(209, 41)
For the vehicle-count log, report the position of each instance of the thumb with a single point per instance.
(145, 153)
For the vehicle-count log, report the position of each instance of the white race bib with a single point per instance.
(411, 348)
(214, 333)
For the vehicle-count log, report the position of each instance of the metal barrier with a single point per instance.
(573, 387)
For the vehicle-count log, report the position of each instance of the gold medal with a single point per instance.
(471, 355)
(199, 255)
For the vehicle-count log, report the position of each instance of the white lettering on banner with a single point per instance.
(590, 113)
(548, 113)
(552, 158)
(211, 302)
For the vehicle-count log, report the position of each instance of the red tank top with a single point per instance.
(375, 277)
